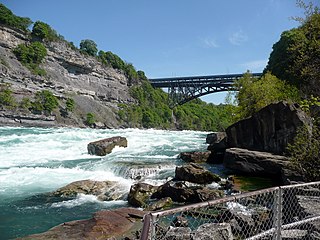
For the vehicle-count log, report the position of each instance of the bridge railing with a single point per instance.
(289, 212)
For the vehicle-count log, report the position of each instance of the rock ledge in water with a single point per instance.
(104, 146)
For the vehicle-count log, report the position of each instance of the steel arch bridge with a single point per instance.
(185, 89)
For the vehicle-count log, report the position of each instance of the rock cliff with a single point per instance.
(94, 87)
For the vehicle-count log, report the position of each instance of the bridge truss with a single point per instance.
(185, 89)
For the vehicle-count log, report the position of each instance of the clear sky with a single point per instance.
(168, 38)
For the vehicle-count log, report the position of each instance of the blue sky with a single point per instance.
(168, 38)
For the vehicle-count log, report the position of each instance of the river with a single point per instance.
(35, 161)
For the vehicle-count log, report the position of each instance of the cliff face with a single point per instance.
(94, 87)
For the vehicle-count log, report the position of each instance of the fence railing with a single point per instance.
(288, 212)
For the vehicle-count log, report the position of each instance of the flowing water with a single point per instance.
(35, 161)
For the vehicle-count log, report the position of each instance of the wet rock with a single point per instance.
(179, 192)
(107, 224)
(180, 221)
(196, 174)
(104, 190)
(105, 146)
(216, 231)
(217, 151)
(196, 157)
(161, 204)
(178, 233)
(140, 193)
(215, 137)
(254, 162)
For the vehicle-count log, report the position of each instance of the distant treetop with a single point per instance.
(11, 20)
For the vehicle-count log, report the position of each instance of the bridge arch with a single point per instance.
(184, 89)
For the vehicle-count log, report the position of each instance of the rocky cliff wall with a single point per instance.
(95, 87)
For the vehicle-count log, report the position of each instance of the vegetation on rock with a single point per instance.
(9, 19)
(43, 31)
(89, 46)
(31, 56)
(6, 98)
(45, 102)
(90, 119)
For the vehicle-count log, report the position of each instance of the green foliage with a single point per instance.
(70, 105)
(44, 101)
(6, 98)
(11, 20)
(25, 103)
(90, 119)
(296, 56)
(305, 153)
(31, 56)
(152, 111)
(254, 94)
(306, 104)
(88, 46)
(43, 31)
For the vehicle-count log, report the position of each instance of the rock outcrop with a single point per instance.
(268, 130)
(197, 157)
(140, 193)
(104, 146)
(196, 174)
(94, 87)
(104, 190)
(255, 163)
(121, 223)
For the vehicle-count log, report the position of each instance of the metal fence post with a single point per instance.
(279, 214)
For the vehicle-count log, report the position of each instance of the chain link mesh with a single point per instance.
(288, 212)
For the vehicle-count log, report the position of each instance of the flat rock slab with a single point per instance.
(104, 225)
(104, 146)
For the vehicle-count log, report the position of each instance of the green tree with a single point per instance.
(304, 153)
(9, 19)
(254, 94)
(89, 46)
(90, 119)
(296, 56)
(6, 97)
(43, 31)
(70, 105)
(45, 101)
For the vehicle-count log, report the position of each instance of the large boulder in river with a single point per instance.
(140, 194)
(196, 174)
(268, 130)
(193, 156)
(179, 191)
(107, 224)
(254, 162)
(105, 146)
(104, 190)
(215, 137)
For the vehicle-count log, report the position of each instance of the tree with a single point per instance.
(254, 94)
(43, 31)
(6, 98)
(296, 56)
(304, 153)
(45, 101)
(90, 119)
(70, 105)
(89, 46)
(9, 19)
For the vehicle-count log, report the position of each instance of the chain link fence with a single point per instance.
(287, 212)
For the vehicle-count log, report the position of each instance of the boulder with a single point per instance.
(196, 157)
(217, 151)
(196, 174)
(254, 162)
(268, 130)
(163, 203)
(215, 137)
(140, 193)
(217, 231)
(179, 192)
(105, 146)
(104, 190)
(106, 224)
(178, 233)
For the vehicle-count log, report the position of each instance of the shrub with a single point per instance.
(6, 98)
(25, 103)
(43, 31)
(91, 119)
(70, 105)
(88, 46)
(9, 19)
(31, 56)
(45, 101)
(304, 153)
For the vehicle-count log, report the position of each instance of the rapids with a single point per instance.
(35, 161)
